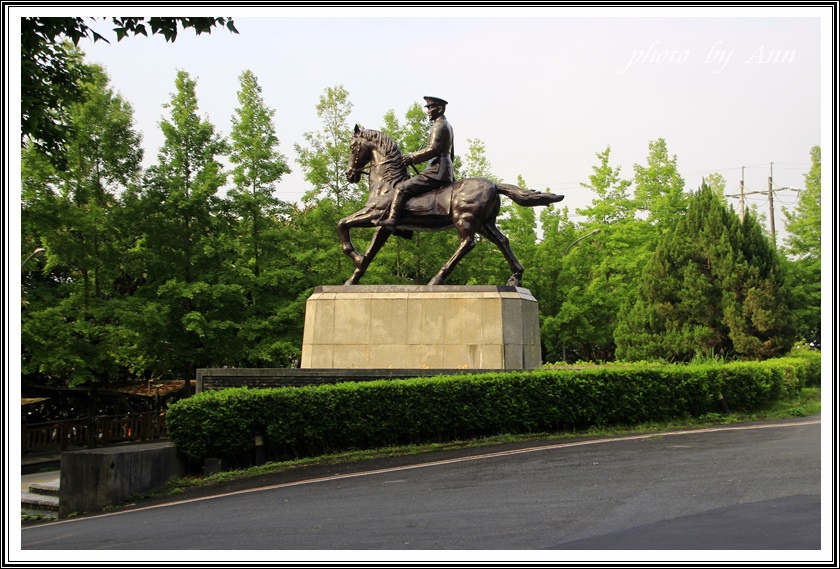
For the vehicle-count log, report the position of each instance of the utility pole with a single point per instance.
(770, 203)
(770, 191)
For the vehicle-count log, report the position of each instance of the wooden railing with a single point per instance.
(105, 430)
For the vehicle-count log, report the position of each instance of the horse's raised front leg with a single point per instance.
(380, 236)
(357, 219)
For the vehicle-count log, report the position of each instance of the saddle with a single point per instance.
(435, 202)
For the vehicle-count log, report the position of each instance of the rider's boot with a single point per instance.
(397, 204)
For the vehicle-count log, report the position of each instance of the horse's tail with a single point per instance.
(528, 198)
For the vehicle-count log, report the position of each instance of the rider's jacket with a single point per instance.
(440, 152)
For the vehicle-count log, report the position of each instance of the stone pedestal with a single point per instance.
(420, 327)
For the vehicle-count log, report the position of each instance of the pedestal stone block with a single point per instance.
(421, 327)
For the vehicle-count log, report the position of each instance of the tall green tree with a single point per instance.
(713, 286)
(324, 157)
(659, 188)
(258, 167)
(612, 201)
(717, 183)
(264, 267)
(608, 267)
(485, 264)
(803, 249)
(519, 224)
(550, 282)
(72, 331)
(411, 135)
(475, 163)
(187, 245)
(597, 265)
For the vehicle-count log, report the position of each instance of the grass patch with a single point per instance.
(36, 518)
(807, 403)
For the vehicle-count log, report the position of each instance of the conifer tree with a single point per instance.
(712, 287)
(258, 166)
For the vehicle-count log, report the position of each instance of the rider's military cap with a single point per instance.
(434, 100)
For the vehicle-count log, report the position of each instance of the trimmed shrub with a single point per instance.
(308, 421)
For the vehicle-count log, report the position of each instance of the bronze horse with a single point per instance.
(470, 206)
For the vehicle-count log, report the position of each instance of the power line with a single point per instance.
(771, 190)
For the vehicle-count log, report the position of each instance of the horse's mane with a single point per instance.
(385, 143)
(394, 168)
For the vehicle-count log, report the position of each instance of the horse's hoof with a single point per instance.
(436, 281)
(514, 281)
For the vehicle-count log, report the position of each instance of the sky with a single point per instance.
(545, 90)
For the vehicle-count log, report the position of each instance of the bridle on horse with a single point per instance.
(360, 171)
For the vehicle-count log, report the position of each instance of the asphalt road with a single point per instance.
(747, 487)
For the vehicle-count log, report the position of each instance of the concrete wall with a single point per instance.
(93, 479)
(211, 379)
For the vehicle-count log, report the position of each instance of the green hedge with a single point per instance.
(308, 421)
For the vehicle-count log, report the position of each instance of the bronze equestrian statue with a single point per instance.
(470, 206)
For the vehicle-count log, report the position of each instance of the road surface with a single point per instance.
(740, 487)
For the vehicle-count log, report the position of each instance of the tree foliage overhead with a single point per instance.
(51, 68)
(258, 164)
(603, 268)
(263, 265)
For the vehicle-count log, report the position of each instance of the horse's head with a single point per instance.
(360, 155)
(383, 154)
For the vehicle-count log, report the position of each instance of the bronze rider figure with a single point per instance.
(439, 171)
